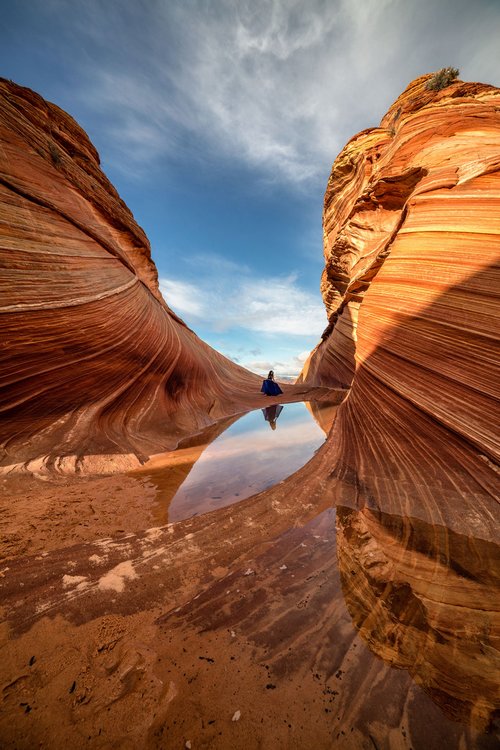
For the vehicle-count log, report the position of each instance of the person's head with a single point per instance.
(272, 424)
(271, 375)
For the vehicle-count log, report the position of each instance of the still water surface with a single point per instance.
(255, 452)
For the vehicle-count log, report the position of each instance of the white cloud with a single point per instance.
(260, 365)
(278, 306)
(286, 370)
(247, 317)
(182, 297)
(277, 84)
(267, 306)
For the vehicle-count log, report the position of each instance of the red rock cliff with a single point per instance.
(411, 284)
(411, 241)
(92, 360)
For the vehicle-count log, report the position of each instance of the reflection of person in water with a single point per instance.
(271, 414)
(269, 386)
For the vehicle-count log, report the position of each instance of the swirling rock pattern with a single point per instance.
(96, 371)
(279, 601)
(420, 596)
(412, 239)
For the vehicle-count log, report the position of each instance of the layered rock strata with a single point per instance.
(411, 280)
(96, 371)
(412, 240)
(412, 210)
(281, 607)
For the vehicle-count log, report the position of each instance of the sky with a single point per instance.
(218, 122)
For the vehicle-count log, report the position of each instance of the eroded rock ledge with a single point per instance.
(304, 605)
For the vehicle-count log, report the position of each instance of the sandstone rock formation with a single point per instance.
(412, 239)
(420, 596)
(380, 552)
(411, 280)
(95, 370)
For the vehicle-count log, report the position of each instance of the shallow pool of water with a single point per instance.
(257, 451)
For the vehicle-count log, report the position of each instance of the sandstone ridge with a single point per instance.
(411, 242)
(380, 552)
(97, 372)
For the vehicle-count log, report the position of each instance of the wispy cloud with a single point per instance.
(267, 306)
(234, 309)
(277, 84)
(184, 298)
(290, 368)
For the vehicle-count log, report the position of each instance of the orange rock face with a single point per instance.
(412, 239)
(411, 280)
(93, 362)
(382, 551)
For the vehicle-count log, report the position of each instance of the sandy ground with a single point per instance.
(227, 630)
(39, 516)
(257, 652)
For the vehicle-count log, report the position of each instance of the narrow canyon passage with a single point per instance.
(186, 563)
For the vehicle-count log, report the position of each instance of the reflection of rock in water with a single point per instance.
(168, 471)
(426, 599)
(324, 412)
(411, 271)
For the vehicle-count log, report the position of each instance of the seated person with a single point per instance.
(269, 386)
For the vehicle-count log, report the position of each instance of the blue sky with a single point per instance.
(218, 122)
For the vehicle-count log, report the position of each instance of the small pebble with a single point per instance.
(236, 716)
(188, 744)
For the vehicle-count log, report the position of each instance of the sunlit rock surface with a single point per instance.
(356, 603)
(96, 371)
(411, 286)
(412, 240)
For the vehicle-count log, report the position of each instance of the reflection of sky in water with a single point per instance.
(247, 458)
